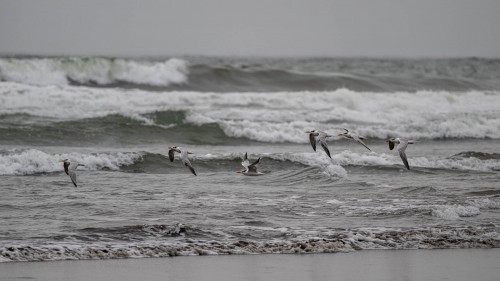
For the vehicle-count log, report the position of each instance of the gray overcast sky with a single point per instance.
(401, 28)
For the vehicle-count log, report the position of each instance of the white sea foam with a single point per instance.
(320, 160)
(346, 158)
(98, 70)
(453, 212)
(322, 241)
(385, 159)
(31, 161)
(486, 203)
(277, 117)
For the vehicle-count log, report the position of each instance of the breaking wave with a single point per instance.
(32, 161)
(257, 74)
(271, 117)
(100, 71)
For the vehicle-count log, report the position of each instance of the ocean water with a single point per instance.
(118, 117)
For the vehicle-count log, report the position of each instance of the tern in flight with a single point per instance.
(318, 136)
(353, 136)
(70, 169)
(184, 156)
(250, 169)
(402, 145)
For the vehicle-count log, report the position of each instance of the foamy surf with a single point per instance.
(44, 71)
(33, 161)
(276, 117)
(333, 241)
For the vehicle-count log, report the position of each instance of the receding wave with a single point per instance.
(186, 241)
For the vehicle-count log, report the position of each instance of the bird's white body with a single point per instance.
(70, 169)
(250, 169)
(184, 156)
(319, 137)
(402, 145)
(350, 135)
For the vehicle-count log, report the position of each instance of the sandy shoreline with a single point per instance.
(455, 264)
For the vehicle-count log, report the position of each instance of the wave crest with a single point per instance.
(32, 161)
(276, 117)
(100, 71)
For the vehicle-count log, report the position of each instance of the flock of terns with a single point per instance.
(315, 137)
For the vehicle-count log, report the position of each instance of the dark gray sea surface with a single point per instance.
(131, 201)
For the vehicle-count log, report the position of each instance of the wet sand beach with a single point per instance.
(374, 265)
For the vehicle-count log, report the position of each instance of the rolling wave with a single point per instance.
(265, 117)
(255, 75)
(32, 161)
(93, 71)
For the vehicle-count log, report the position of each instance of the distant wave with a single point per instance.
(97, 71)
(266, 117)
(32, 161)
(186, 242)
(256, 75)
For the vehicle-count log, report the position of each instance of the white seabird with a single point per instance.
(70, 169)
(355, 137)
(402, 145)
(318, 136)
(184, 156)
(250, 169)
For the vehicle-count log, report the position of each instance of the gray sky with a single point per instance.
(400, 28)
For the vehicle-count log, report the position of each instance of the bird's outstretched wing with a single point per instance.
(66, 167)
(185, 160)
(72, 176)
(391, 145)
(312, 140)
(171, 155)
(402, 148)
(188, 164)
(358, 139)
(253, 167)
(325, 147)
(245, 163)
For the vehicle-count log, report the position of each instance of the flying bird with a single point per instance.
(319, 137)
(353, 136)
(70, 169)
(402, 145)
(184, 156)
(250, 169)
